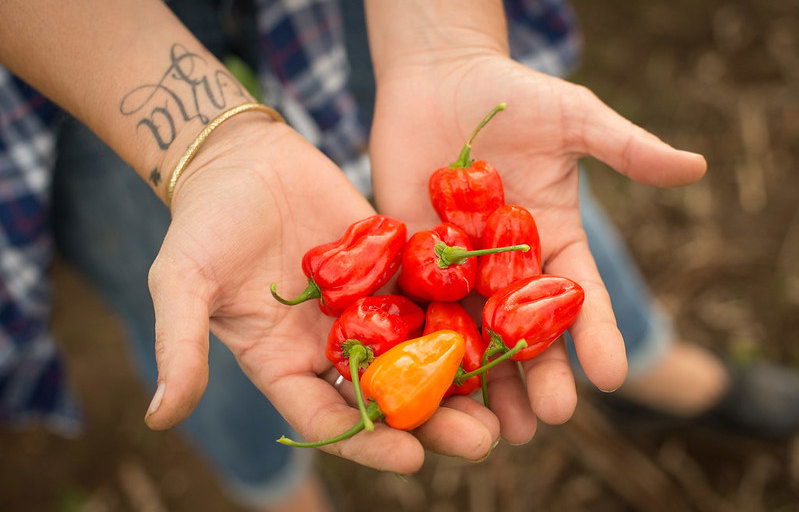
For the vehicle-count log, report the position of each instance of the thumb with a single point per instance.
(630, 149)
(181, 343)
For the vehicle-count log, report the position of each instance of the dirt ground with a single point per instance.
(720, 78)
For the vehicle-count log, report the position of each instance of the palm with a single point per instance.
(240, 224)
(422, 119)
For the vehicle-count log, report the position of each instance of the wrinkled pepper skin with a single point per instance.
(378, 323)
(409, 381)
(466, 197)
(508, 225)
(420, 276)
(537, 309)
(452, 316)
(354, 266)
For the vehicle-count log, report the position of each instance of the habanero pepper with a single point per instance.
(366, 329)
(436, 264)
(537, 309)
(467, 192)
(452, 316)
(405, 385)
(509, 224)
(354, 266)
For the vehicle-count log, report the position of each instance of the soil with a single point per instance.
(720, 78)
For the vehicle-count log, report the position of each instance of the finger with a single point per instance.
(550, 384)
(599, 345)
(321, 413)
(455, 433)
(509, 401)
(181, 344)
(631, 150)
(476, 410)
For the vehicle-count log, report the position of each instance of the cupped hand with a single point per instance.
(255, 198)
(424, 113)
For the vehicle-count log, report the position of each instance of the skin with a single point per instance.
(439, 68)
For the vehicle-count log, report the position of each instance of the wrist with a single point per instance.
(430, 34)
(233, 137)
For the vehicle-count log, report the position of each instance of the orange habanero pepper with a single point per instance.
(405, 385)
(409, 381)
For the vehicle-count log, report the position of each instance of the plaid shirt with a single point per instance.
(306, 73)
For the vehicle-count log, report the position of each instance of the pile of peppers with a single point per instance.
(405, 353)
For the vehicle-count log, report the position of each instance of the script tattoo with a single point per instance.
(189, 89)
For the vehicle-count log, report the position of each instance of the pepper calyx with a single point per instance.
(354, 349)
(455, 255)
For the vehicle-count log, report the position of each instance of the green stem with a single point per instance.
(496, 346)
(311, 291)
(374, 413)
(464, 158)
(454, 255)
(484, 384)
(357, 354)
(487, 366)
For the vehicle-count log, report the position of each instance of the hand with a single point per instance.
(424, 113)
(255, 198)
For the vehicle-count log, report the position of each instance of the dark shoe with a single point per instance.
(762, 401)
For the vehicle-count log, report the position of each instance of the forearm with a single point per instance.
(128, 69)
(422, 32)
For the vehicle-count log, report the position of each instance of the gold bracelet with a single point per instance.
(213, 125)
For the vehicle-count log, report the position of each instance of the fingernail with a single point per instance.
(157, 397)
(484, 457)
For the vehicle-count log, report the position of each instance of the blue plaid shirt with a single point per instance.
(306, 75)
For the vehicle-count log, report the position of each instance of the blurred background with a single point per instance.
(719, 78)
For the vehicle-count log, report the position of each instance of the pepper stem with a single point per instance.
(464, 158)
(374, 413)
(494, 347)
(358, 354)
(454, 255)
(460, 379)
(311, 291)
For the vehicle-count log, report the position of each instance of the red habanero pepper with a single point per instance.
(406, 383)
(537, 309)
(436, 264)
(468, 191)
(354, 266)
(367, 329)
(509, 224)
(451, 315)
(376, 323)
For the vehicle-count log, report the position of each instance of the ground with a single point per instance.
(715, 77)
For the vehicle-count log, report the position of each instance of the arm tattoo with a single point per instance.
(189, 89)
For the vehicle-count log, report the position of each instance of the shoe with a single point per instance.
(761, 402)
